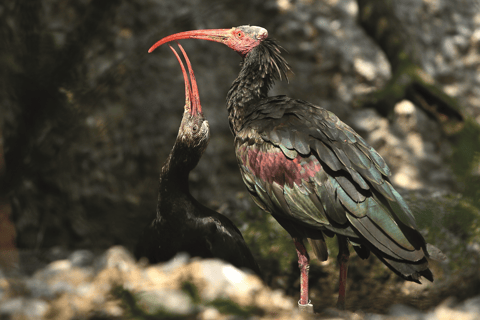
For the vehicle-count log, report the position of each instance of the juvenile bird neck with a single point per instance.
(175, 171)
(259, 70)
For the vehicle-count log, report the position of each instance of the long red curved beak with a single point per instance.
(216, 35)
(192, 98)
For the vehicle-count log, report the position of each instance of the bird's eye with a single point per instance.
(239, 34)
(195, 128)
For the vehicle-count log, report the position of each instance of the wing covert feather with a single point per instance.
(332, 179)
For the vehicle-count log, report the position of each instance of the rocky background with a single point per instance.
(88, 117)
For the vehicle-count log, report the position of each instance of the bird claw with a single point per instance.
(307, 308)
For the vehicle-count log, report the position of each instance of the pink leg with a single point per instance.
(303, 264)
(342, 258)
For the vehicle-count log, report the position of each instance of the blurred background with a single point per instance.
(87, 118)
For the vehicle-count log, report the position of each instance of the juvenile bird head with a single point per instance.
(194, 130)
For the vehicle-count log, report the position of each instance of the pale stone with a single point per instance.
(365, 68)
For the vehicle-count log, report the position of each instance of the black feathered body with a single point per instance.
(314, 173)
(185, 225)
(182, 224)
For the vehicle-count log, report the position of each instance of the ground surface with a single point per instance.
(90, 183)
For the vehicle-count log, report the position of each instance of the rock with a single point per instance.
(399, 310)
(73, 288)
(209, 314)
(406, 120)
(56, 278)
(81, 258)
(24, 307)
(226, 281)
(450, 54)
(449, 48)
(183, 287)
(472, 305)
(172, 301)
(178, 261)
(365, 68)
(446, 312)
(117, 257)
(409, 146)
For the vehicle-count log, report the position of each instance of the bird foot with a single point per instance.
(341, 305)
(307, 308)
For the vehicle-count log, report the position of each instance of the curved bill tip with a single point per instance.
(169, 38)
(188, 90)
(195, 96)
(192, 97)
(216, 35)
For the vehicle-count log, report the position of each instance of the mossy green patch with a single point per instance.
(226, 306)
(191, 289)
(450, 222)
(466, 153)
(269, 242)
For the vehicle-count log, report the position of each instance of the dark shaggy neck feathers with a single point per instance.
(176, 169)
(183, 158)
(260, 68)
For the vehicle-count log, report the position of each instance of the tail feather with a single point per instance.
(319, 248)
(362, 251)
(381, 242)
(408, 270)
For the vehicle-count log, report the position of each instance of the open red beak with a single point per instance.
(217, 35)
(192, 98)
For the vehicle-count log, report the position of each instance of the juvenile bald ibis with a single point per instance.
(313, 173)
(182, 223)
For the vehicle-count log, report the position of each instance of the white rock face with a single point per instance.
(410, 145)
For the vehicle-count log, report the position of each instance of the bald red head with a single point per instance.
(240, 39)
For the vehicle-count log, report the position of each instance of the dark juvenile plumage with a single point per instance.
(311, 171)
(182, 223)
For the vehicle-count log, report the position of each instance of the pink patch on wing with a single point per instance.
(275, 166)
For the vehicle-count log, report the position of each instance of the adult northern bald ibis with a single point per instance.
(311, 171)
(182, 223)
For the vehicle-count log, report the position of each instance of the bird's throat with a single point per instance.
(260, 68)
(239, 99)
